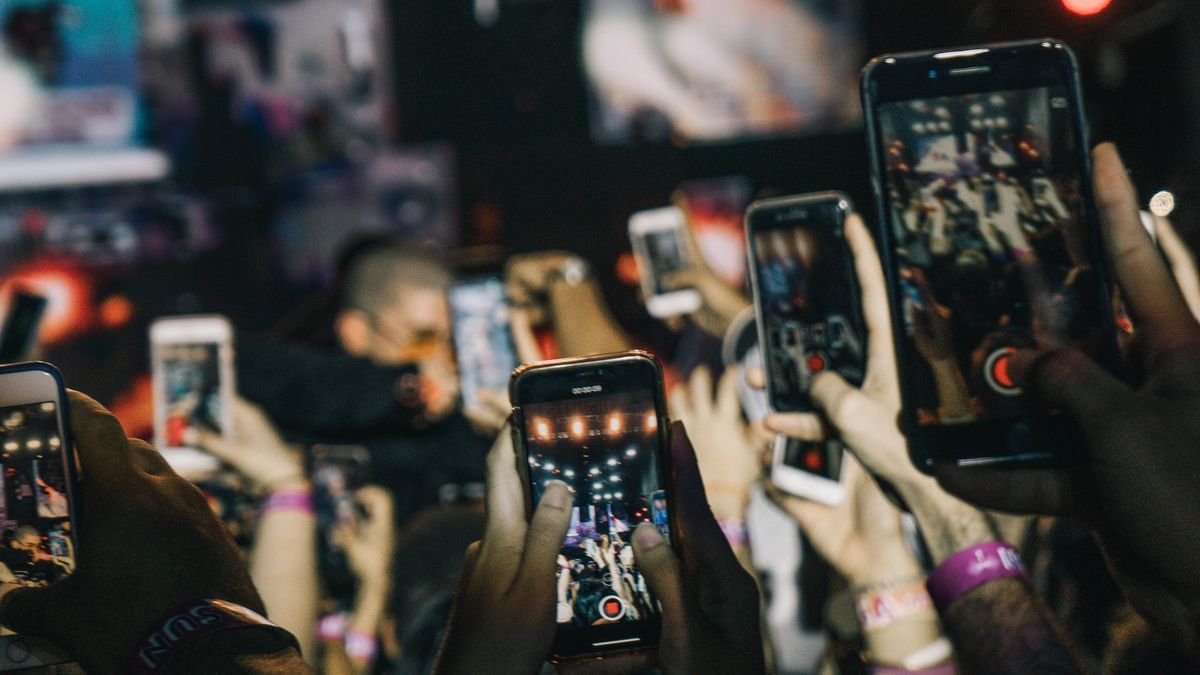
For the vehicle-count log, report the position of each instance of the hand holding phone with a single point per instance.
(661, 250)
(143, 525)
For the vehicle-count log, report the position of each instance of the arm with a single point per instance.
(582, 320)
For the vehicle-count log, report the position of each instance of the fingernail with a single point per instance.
(647, 536)
(557, 495)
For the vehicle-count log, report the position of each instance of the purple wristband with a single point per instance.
(191, 622)
(299, 499)
(971, 568)
(734, 530)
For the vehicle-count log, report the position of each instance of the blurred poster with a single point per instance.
(83, 54)
(717, 70)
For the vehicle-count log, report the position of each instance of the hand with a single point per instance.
(728, 455)
(370, 541)
(255, 450)
(865, 418)
(1007, 220)
(1183, 263)
(528, 278)
(509, 573)
(491, 413)
(148, 543)
(861, 537)
(1136, 487)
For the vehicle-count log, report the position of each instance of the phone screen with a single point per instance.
(992, 247)
(337, 472)
(482, 340)
(191, 389)
(823, 460)
(606, 448)
(808, 298)
(666, 255)
(39, 544)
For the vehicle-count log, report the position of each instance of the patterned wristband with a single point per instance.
(189, 623)
(877, 609)
(971, 568)
(298, 499)
(361, 646)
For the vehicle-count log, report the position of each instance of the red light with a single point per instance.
(813, 460)
(1000, 372)
(67, 292)
(1086, 7)
(816, 363)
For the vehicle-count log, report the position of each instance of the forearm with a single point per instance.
(1004, 627)
(582, 321)
(283, 566)
(954, 402)
(370, 606)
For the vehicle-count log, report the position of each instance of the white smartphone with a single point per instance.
(192, 365)
(809, 469)
(37, 495)
(659, 247)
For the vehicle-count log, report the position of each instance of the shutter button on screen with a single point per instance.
(995, 372)
(612, 608)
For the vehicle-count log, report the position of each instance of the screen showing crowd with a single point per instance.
(483, 344)
(191, 373)
(38, 545)
(605, 449)
(808, 306)
(993, 250)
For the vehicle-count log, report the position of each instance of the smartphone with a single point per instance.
(805, 294)
(661, 251)
(19, 333)
(600, 425)
(337, 473)
(1014, 124)
(38, 489)
(483, 341)
(812, 470)
(191, 361)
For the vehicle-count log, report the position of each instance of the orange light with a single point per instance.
(543, 429)
(1086, 7)
(651, 422)
(577, 427)
(614, 423)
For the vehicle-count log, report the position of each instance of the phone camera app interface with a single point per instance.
(819, 459)
(993, 253)
(808, 305)
(191, 374)
(666, 258)
(39, 546)
(605, 449)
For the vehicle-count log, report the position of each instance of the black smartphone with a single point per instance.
(19, 333)
(981, 271)
(483, 342)
(38, 491)
(337, 472)
(600, 425)
(805, 293)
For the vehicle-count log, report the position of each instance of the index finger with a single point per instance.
(504, 532)
(1183, 265)
(1148, 287)
(874, 293)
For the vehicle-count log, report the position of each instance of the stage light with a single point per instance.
(595, 498)
(543, 428)
(48, 407)
(597, 486)
(612, 462)
(618, 495)
(533, 461)
(632, 452)
(594, 470)
(608, 496)
(549, 466)
(54, 442)
(577, 427)
(614, 478)
(651, 422)
(33, 444)
(614, 423)
(569, 473)
(11, 446)
(1086, 7)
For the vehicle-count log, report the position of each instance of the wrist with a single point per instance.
(947, 524)
(970, 568)
(209, 635)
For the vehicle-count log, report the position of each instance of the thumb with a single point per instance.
(661, 569)
(544, 538)
(207, 439)
(1068, 379)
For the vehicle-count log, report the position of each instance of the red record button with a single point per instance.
(612, 608)
(816, 362)
(995, 370)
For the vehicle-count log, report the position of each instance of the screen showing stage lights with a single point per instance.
(993, 250)
(605, 448)
(717, 71)
(35, 515)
